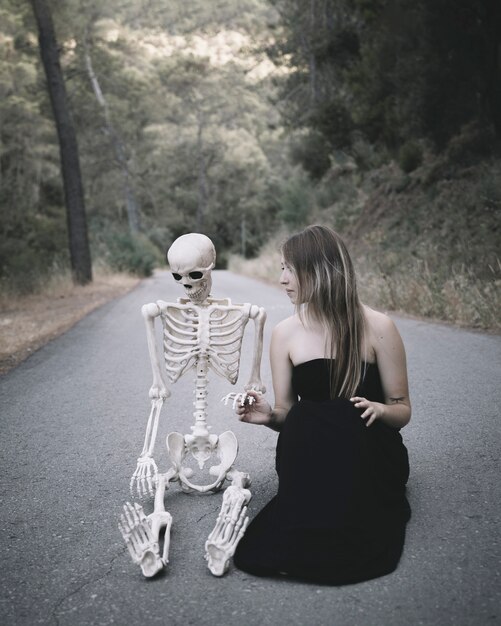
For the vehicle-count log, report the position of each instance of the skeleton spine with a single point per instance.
(200, 427)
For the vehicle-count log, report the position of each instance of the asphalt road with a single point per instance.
(72, 425)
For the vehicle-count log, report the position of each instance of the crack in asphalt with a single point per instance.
(53, 614)
(210, 512)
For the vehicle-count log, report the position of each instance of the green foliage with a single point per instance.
(295, 201)
(32, 218)
(390, 73)
(30, 247)
(125, 252)
(312, 153)
(410, 156)
(474, 141)
(188, 131)
(201, 134)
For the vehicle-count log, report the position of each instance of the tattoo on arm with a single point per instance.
(397, 400)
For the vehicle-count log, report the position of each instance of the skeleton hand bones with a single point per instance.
(144, 477)
(242, 398)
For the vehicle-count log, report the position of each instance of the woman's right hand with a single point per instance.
(256, 412)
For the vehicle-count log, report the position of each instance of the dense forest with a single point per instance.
(176, 130)
(247, 118)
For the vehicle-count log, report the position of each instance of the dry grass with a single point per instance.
(264, 267)
(457, 296)
(460, 298)
(27, 322)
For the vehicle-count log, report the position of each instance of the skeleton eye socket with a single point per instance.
(176, 276)
(195, 275)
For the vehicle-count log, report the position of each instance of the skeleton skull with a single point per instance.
(191, 258)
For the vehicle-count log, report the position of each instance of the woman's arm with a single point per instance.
(390, 355)
(260, 411)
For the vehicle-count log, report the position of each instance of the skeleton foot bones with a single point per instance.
(142, 537)
(141, 533)
(230, 527)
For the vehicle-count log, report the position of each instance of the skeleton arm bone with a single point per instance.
(258, 314)
(146, 468)
(158, 388)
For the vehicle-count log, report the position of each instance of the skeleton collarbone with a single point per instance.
(208, 333)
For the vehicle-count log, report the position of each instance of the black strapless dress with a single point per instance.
(340, 513)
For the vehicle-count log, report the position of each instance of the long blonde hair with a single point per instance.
(327, 292)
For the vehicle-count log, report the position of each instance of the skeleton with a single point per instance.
(200, 333)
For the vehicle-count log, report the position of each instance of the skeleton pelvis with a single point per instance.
(201, 448)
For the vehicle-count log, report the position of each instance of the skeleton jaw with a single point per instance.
(199, 293)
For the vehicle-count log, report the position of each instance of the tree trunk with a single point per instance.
(81, 266)
(202, 177)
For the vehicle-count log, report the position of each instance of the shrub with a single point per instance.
(135, 254)
(30, 245)
(472, 142)
(295, 200)
(410, 156)
(312, 152)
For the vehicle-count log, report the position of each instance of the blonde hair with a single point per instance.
(327, 291)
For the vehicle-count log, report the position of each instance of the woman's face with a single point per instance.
(288, 281)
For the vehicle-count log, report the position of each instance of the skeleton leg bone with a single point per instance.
(230, 526)
(141, 533)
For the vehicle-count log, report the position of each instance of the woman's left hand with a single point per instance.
(372, 410)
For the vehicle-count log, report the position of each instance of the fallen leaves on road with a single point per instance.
(29, 322)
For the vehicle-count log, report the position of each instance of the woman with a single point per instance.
(341, 396)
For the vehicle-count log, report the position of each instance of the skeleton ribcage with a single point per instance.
(214, 333)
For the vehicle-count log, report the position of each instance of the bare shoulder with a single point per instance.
(383, 334)
(379, 324)
(283, 333)
(287, 326)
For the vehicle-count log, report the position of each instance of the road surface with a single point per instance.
(72, 425)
